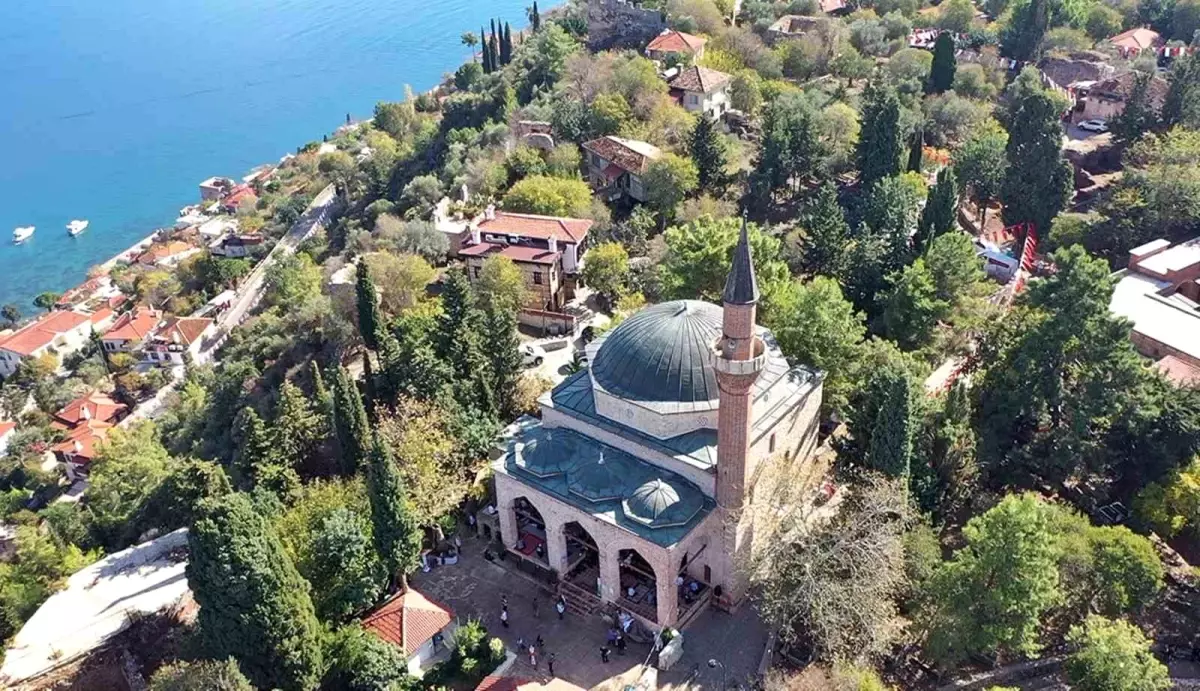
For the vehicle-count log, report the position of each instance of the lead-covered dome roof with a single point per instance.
(663, 354)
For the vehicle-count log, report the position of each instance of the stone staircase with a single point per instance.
(579, 601)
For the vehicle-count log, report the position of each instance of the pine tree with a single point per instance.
(709, 154)
(941, 72)
(1139, 117)
(369, 318)
(397, 535)
(506, 45)
(488, 67)
(417, 371)
(254, 606)
(940, 210)
(880, 143)
(299, 425)
(890, 451)
(1037, 184)
(826, 233)
(916, 151)
(256, 451)
(535, 19)
(460, 344)
(500, 326)
(1022, 37)
(350, 421)
(320, 392)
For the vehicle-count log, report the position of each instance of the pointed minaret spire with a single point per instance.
(741, 288)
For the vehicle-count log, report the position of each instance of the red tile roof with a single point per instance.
(134, 325)
(162, 250)
(183, 330)
(408, 620)
(78, 293)
(630, 154)
(41, 333)
(1179, 371)
(82, 441)
(671, 41)
(94, 406)
(517, 253)
(572, 230)
(498, 683)
(832, 5)
(101, 314)
(7, 426)
(699, 80)
(1140, 38)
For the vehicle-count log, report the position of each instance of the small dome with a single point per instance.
(663, 353)
(546, 456)
(602, 479)
(652, 500)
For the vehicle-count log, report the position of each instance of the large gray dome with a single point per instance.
(663, 353)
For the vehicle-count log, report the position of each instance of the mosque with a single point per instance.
(636, 486)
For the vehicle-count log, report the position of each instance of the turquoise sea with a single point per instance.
(115, 110)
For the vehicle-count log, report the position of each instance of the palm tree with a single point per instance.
(470, 40)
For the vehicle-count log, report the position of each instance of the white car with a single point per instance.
(1093, 126)
(532, 355)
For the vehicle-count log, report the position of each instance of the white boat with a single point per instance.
(22, 234)
(76, 227)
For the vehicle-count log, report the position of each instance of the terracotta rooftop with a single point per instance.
(1122, 86)
(1179, 371)
(162, 250)
(672, 41)
(832, 5)
(134, 325)
(517, 253)
(408, 620)
(699, 79)
(630, 154)
(42, 332)
(572, 230)
(7, 426)
(93, 406)
(498, 683)
(183, 330)
(1140, 38)
(83, 440)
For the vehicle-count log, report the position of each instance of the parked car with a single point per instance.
(1094, 126)
(532, 355)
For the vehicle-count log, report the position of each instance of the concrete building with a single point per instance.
(1134, 41)
(131, 330)
(214, 188)
(547, 249)
(420, 627)
(702, 90)
(646, 476)
(1106, 99)
(1160, 293)
(56, 333)
(676, 45)
(176, 338)
(616, 165)
(166, 254)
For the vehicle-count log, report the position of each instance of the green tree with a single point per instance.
(916, 152)
(298, 427)
(980, 165)
(1037, 184)
(1139, 116)
(501, 285)
(504, 358)
(668, 180)
(880, 143)
(745, 94)
(1022, 37)
(396, 533)
(826, 233)
(460, 343)
(506, 45)
(939, 215)
(912, 308)
(1113, 656)
(941, 74)
(467, 75)
(346, 572)
(362, 661)
(891, 444)
(991, 595)
(792, 149)
(954, 472)
(202, 675)
(254, 606)
(488, 63)
(129, 467)
(607, 271)
(292, 281)
(349, 420)
(11, 314)
(175, 501)
(535, 18)
(1172, 504)
(46, 300)
(821, 329)
(1182, 103)
(470, 40)
(549, 196)
(708, 154)
(1126, 570)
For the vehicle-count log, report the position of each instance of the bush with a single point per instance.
(549, 196)
(1113, 656)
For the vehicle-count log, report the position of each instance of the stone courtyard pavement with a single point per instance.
(473, 589)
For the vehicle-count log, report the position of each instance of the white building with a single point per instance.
(702, 90)
(422, 628)
(56, 333)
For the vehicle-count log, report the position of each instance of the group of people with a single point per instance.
(537, 646)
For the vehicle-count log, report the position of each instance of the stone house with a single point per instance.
(672, 44)
(615, 166)
(702, 90)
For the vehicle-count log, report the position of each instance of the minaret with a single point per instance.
(739, 359)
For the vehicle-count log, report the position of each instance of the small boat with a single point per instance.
(22, 234)
(76, 227)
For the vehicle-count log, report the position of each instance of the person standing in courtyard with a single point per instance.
(504, 615)
(533, 655)
(550, 664)
(536, 609)
(620, 644)
(604, 654)
(560, 607)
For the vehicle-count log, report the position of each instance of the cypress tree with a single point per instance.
(506, 45)
(298, 425)
(320, 392)
(418, 372)
(500, 326)
(941, 207)
(461, 346)
(915, 151)
(1038, 181)
(483, 51)
(369, 318)
(349, 420)
(880, 144)
(370, 392)
(256, 450)
(1022, 37)
(708, 154)
(397, 535)
(891, 447)
(941, 72)
(827, 234)
(494, 49)
(254, 606)
(536, 19)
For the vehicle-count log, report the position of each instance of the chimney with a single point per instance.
(84, 412)
(475, 235)
(78, 447)
(1139, 254)
(553, 243)
(490, 212)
